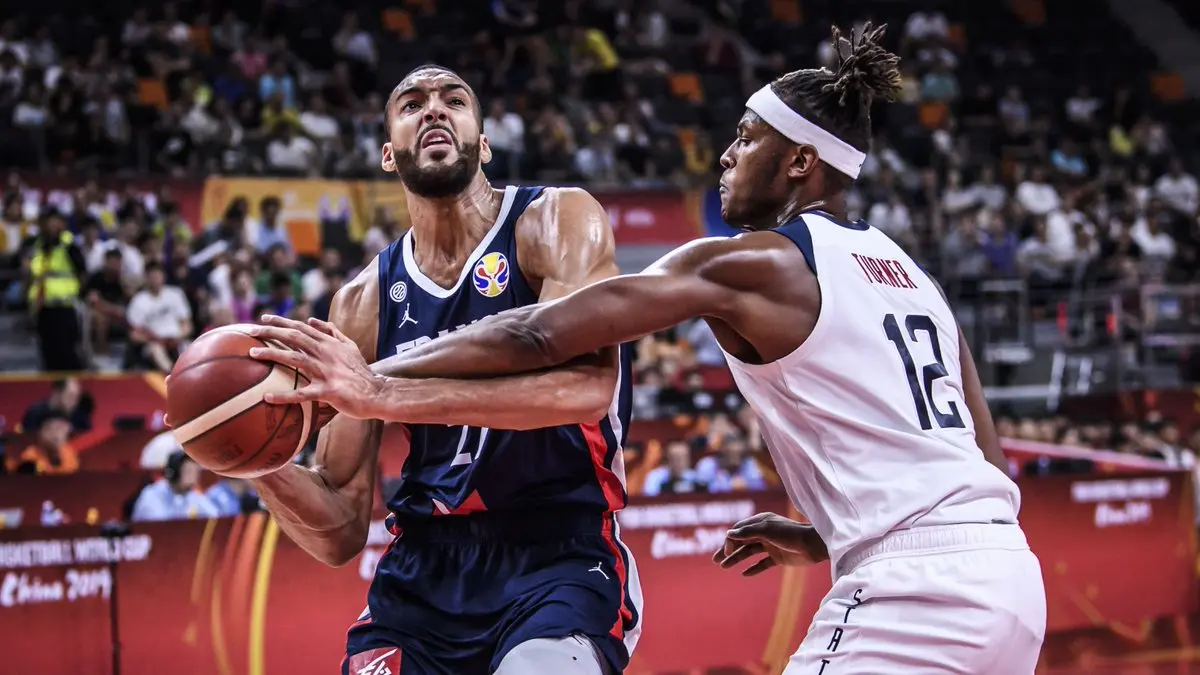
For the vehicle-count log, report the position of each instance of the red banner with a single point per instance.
(234, 597)
(650, 218)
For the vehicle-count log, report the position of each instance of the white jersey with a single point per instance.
(866, 421)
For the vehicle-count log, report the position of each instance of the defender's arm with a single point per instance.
(703, 278)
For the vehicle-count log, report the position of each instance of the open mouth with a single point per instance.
(436, 137)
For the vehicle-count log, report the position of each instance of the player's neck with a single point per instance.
(834, 205)
(451, 227)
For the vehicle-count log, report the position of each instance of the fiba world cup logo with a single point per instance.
(491, 274)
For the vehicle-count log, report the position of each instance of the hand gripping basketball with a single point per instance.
(339, 375)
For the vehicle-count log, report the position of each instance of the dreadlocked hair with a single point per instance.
(840, 101)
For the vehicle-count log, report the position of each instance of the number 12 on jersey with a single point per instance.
(922, 386)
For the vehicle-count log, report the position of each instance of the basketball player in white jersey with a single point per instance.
(866, 392)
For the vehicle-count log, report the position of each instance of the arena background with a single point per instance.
(1041, 162)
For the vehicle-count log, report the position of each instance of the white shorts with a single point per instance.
(964, 599)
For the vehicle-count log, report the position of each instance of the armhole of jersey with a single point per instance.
(798, 233)
(526, 195)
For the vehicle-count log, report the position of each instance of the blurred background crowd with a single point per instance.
(1042, 149)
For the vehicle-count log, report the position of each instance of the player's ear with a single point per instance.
(803, 161)
(485, 149)
(388, 158)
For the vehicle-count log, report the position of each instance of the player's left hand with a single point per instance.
(781, 541)
(338, 374)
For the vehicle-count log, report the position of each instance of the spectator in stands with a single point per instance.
(505, 131)
(243, 299)
(280, 299)
(732, 469)
(175, 496)
(677, 476)
(280, 262)
(290, 154)
(268, 232)
(55, 278)
(107, 298)
(334, 280)
(315, 281)
(50, 453)
(1179, 190)
(383, 231)
(232, 496)
(66, 398)
(160, 448)
(160, 320)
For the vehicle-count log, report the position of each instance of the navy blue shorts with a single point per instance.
(453, 595)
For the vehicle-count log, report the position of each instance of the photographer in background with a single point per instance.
(175, 496)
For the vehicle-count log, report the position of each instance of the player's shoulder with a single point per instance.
(355, 308)
(559, 209)
(564, 220)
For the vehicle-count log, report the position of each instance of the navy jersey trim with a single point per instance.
(386, 259)
(797, 231)
(859, 225)
(525, 197)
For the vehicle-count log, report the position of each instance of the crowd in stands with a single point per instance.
(978, 180)
(978, 176)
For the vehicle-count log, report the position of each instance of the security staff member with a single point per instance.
(56, 270)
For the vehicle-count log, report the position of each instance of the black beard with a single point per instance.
(445, 180)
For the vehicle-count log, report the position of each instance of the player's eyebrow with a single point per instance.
(447, 87)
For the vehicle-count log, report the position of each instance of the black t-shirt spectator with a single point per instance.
(108, 288)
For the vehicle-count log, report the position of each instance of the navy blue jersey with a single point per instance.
(453, 469)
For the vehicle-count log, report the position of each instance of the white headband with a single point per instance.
(832, 150)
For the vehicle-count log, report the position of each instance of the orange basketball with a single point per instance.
(216, 409)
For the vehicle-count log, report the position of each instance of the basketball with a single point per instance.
(216, 409)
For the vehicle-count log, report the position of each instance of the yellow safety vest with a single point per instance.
(53, 276)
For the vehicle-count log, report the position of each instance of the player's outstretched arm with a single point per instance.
(327, 509)
(701, 278)
(705, 278)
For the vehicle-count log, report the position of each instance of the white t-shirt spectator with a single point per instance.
(925, 25)
(956, 200)
(313, 284)
(1180, 193)
(1060, 233)
(156, 452)
(133, 264)
(1154, 245)
(28, 115)
(893, 219)
(299, 154)
(321, 126)
(991, 195)
(1038, 198)
(375, 240)
(1082, 110)
(506, 133)
(358, 45)
(160, 315)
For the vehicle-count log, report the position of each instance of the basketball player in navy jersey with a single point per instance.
(507, 557)
(867, 394)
